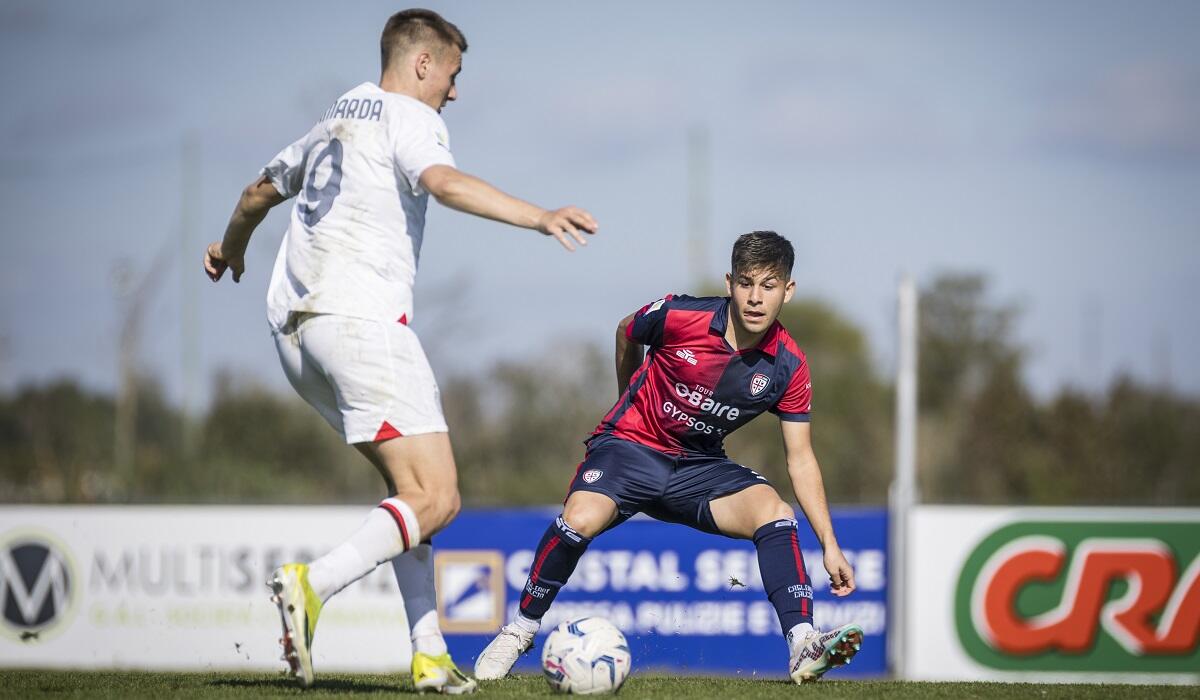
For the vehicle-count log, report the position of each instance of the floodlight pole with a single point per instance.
(903, 492)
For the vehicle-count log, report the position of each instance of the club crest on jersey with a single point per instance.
(591, 475)
(758, 383)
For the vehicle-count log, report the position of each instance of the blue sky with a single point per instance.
(1054, 147)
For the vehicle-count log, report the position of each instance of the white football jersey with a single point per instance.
(354, 237)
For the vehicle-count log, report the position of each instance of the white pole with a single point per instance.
(699, 202)
(903, 493)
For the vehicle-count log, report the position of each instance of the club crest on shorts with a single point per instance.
(591, 475)
(758, 383)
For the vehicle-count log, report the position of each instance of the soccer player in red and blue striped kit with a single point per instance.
(713, 365)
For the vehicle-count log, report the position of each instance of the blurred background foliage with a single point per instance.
(517, 429)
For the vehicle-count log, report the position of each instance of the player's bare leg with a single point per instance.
(420, 470)
(741, 514)
(423, 498)
(757, 513)
(585, 515)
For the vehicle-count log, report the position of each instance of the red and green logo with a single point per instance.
(1083, 596)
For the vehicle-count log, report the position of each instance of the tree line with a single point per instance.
(518, 429)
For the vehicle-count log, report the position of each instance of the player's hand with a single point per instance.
(566, 224)
(216, 262)
(841, 576)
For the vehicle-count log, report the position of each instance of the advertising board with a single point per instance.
(687, 601)
(1068, 594)
(183, 588)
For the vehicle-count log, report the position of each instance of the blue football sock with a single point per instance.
(555, 559)
(783, 574)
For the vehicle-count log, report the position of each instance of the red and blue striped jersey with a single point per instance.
(693, 389)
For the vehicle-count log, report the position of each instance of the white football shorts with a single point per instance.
(369, 379)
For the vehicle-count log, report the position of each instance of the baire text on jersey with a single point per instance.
(700, 397)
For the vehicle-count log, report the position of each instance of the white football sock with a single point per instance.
(528, 624)
(414, 575)
(387, 531)
(796, 635)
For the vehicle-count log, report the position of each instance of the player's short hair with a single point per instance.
(410, 28)
(763, 250)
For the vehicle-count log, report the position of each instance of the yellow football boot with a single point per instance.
(439, 673)
(299, 607)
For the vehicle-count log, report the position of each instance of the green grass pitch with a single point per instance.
(108, 684)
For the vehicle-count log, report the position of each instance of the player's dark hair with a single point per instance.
(409, 28)
(763, 250)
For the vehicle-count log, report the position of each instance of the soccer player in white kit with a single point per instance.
(339, 306)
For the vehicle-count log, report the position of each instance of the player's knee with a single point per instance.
(444, 508)
(776, 512)
(451, 506)
(586, 519)
(434, 510)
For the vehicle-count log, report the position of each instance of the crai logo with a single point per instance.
(1083, 596)
(37, 586)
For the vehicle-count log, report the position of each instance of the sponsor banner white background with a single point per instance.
(942, 538)
(184, 588)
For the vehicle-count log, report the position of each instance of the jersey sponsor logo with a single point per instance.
(591, 476)
(675, 413)
(701, 398)
(470, 586)
(687, 355)
(37, 587)
(1083, 596)
(758, 383)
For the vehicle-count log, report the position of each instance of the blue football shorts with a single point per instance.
(673, 489)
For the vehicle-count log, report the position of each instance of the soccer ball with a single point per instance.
(586, 656)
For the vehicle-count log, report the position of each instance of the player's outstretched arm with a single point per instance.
(467, 193)
(629, 355)
(809, 488)
(230, 252)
